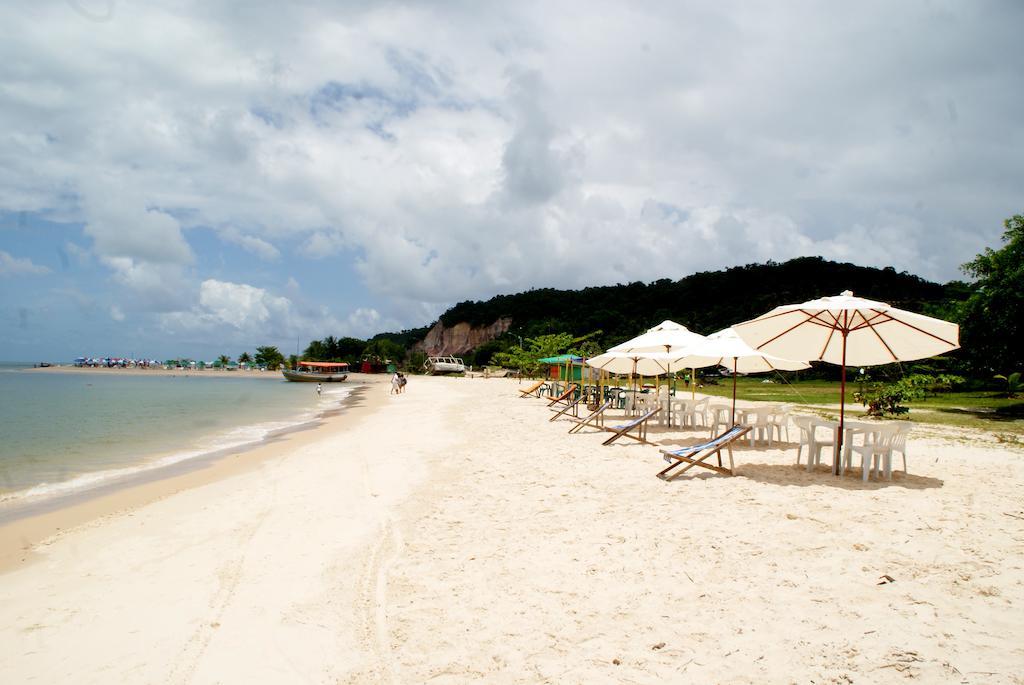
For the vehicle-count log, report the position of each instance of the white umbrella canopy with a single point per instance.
(644, 364)
(726, 348)
(668, 336)
(849, 331)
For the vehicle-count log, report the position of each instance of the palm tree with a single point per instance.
(244, 358)
(223, 360)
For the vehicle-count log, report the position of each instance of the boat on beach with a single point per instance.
(438, 365)
(317, 372)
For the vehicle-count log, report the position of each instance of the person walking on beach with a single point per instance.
(396, 383)
(319, 389)
(401, 383)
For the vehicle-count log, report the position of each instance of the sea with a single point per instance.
(64, 434)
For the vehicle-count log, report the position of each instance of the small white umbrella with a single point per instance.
(643, 363)
(622, 363)
(848, 330)
(726, 348)
(668, 337)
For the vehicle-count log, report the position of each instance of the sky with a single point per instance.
(196, 178)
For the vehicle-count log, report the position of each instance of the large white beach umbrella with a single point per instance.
(849, 331)
(727, 348)
(668, 337)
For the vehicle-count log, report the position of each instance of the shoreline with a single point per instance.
(25, 525)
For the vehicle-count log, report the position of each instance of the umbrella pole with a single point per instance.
(836, 467)
(670, 385)
(734, 391)
(693, 384)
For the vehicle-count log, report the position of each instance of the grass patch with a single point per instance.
(969, 409)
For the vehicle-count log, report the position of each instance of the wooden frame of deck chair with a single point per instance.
(573, 406)
(596, 415)
(689, 455)
(639, 423)
(564, 397)
(533, 390)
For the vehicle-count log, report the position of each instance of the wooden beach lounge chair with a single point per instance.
(623, 429)
(533, 390)
(596, 415)
(572, 406)
(695, 455)
(564, 397)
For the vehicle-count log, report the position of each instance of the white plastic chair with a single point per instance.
(780, 421)
(876, 451)
(719, 415)
(698, 409)
(809, 437)
(678, 410)
(760, 424)
(899, 443)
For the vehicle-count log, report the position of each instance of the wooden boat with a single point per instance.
(437, 365)
(318, 372)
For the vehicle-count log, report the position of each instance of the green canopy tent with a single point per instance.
(565, 363)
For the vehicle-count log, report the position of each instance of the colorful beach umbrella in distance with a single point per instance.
(727, 348)
(848, 331)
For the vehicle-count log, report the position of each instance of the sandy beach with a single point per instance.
(452, 534)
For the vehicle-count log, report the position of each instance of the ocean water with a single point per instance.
(62, 433)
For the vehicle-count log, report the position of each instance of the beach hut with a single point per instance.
(565, 367)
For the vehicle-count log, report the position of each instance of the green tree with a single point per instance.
(524, 358)
(293, 361)
(332, 349)
(316, 351)
(383, 350)
(992, 324)
(223, 360)
(415, 362)
(244, 358)
(269, 357)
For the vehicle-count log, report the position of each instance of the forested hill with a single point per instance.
(704, 302)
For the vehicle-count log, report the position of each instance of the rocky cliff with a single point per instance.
(460, 338)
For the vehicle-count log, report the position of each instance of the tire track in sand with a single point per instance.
(230, 575)
(372, 594)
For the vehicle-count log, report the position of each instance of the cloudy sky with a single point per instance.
(197, 178)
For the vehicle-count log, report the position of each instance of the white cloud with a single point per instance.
(19, 266)
(240, 313)
(363, 323)
(153, 287)
(257, 246)
(322, 244)
(123, 226)
(115, 313)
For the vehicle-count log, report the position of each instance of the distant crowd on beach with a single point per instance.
(116, 362)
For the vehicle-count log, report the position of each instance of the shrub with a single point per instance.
(886, 399)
